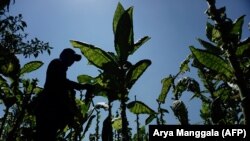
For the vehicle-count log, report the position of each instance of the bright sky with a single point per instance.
(173, 25)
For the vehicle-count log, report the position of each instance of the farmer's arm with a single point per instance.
(78, 86)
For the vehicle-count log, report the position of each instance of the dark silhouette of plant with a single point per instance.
(16, 92)
(16, 123)
(117, 74)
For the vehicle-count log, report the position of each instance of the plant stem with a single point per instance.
(240, 81)
(110, 121)
(125, 136)
(3, 121)
(137, 125)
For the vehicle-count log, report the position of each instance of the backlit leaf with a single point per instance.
(118, 13)
(85, 79)
(138, 107)
(95, 55)
(184, 65)
(166, 85)
(117, 123)
(212, 62)
(237, 26)
(210, 47)
(31, 66)
(124, 35)
(150, 119)
(136, 71)
(139, 43)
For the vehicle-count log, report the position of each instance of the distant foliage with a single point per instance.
(16, 92)
(13, 36)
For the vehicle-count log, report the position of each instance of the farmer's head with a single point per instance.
(68, 56)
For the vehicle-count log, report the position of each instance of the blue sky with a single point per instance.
(173, 25)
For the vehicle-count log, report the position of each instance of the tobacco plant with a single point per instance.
(223, 69)
(117, 74)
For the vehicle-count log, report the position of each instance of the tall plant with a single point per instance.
(223, 68)
(226, 57)
(117, 74)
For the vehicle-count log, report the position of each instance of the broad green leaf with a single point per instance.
(150, 119)
(138, 44)
(210, 47)
(184, 65)
(136, 71)
(85, 79)
(117, 123)
(31, 66)
(213, 62)
(138, 107)
(124, 35)
(237, 26)
(118, 13)
(166, 85)
(243, 47)
(96, 56)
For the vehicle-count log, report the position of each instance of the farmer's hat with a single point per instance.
(70, 54)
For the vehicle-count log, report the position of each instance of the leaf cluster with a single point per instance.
(14, 38)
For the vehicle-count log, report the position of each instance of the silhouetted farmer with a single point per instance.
(54, 107)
